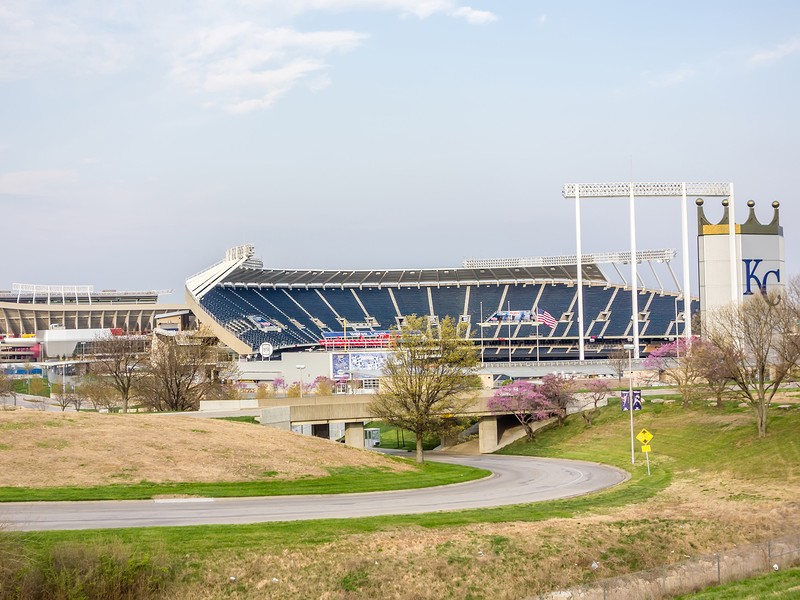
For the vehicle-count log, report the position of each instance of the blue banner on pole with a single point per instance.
(637, 400)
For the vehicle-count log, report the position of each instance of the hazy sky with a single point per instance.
(138, 141)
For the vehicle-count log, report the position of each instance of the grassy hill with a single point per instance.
(89, 456)
(714, 485)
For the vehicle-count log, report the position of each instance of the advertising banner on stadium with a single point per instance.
(263, 323)
(512, 316)
(357, 365)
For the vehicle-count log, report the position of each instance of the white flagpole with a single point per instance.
(508, 316)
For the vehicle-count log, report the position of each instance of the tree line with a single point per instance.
(170, 373)
(747, 351)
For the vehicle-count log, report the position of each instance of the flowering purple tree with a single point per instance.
(559, 393)
(676, 363)
(523, 400)
(279, 384)
(598, 390)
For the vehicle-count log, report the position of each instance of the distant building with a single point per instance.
(39, 321)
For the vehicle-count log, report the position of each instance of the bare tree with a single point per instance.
(8, 388)
(758, 343)
(618, 361)
(712, 368)
(428, 378)
(96, 391)
(676, 363)
(120, 360)
(59, 394)
(598, 390)
(183, 370)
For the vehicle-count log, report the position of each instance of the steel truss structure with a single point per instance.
(623, 190)
(570, 259)
(632, 189)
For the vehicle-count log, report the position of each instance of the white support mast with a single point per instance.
(662, 189)
(634, 278)
(687, 296)
(581, 355)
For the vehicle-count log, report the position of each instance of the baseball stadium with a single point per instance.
(518, 310)
(522, 309)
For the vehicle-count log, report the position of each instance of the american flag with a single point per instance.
(545, 317)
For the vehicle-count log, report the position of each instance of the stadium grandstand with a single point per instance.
(517, 309)
(27, 308)
(29, 314)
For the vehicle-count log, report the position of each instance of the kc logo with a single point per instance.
(751, 276)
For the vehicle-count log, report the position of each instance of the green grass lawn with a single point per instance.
(392, 437)
(683, 440)
(35, 386)
(701, 438)
(251, 420)
(556, 442)
(783, 585)
(340, 480)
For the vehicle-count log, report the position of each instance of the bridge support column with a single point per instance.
(354, 434)
(487, 434)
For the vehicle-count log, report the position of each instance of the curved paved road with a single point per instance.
(515, 480)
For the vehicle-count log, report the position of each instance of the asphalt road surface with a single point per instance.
(515, 480)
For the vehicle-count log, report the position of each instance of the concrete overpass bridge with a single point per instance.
(354, 411)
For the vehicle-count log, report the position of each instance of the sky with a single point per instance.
(140, 140)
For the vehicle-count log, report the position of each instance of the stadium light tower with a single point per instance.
(631, 190)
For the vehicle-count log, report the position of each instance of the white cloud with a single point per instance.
(36, 183)
(418, 8)
(542, 19)
(670, 78)
(242, 55)
(474, 17)
(250, 66)
(766, 57)
(34, 36)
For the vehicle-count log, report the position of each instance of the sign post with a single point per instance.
(644, 437)
(629, 405)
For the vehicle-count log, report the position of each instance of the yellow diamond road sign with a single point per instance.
(644, 436)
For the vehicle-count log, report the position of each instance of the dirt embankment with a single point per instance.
(40, 449)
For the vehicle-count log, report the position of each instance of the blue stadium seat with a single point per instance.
(412, 301)
(379, 306)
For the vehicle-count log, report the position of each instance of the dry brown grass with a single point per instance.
(39, 449)
(510, 560)
(699, 513)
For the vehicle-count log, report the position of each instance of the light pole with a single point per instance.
(629, 348)
(300, 368)
(677, 345)
(481, 328)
